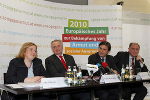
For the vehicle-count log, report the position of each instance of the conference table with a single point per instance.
(90, 85)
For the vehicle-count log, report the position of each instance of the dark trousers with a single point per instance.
(10, 96)
(7, 96)
(108, 93)
(75, 96)
(139, 90)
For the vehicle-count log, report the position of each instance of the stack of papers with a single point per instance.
(15, 86)
(24, 85)
(54, 82)
(29, 85)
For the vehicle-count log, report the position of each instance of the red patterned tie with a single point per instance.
(63, 62)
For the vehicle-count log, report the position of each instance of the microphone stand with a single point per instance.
(91, 74)
(101, 73)
(110, 70)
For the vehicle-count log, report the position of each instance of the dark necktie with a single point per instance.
(63, 62)
(133, 63)
(102, 59)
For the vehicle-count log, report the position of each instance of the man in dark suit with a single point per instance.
(56, 66)
(128, 59)
(105, 93)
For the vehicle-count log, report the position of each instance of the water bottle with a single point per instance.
(69, 76)
(74, 75)
(79, 75)
(131, 73)
(123, 73)
(127, 73)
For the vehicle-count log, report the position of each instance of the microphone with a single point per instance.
(92, 69)
(140, 59)
(101, 69)
(100, 66)
(105, 65)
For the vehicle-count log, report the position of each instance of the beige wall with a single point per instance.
(142, 6)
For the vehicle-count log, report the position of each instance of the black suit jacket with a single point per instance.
(122, 58)
(17, 70)
(95, 58)
(55, 68)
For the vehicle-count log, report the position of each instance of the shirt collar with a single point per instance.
(130, 57)
(60, 55)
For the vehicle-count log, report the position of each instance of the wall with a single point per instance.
(136, 23)
(136, 29)
(48, 21)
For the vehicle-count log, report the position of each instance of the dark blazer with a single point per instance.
(122, 58)
(95, 58)
(55, 68)
(17, 70)
(108, 92)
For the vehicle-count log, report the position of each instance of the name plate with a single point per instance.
(112, 78)
(54, 82)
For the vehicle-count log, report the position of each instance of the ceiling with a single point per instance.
(142, 6)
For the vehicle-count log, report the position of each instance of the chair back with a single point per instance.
(4, 74)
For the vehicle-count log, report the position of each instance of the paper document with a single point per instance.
(15, 86)
(144, 75)
(29, 85)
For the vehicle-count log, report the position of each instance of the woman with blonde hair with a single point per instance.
(26, 67)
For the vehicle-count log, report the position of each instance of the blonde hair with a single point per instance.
(23, 49)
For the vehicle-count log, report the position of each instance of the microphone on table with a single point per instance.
(92, 68)
(101, 69)
(105, 65)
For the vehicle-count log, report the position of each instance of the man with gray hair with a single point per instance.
(56, 66)
(134, 60)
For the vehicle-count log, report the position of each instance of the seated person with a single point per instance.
(56, 66)
(26, 67)
(134, 60)
(106, 93)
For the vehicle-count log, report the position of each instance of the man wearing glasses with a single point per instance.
(134, 60)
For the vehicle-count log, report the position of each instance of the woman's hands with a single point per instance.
(35, 79)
